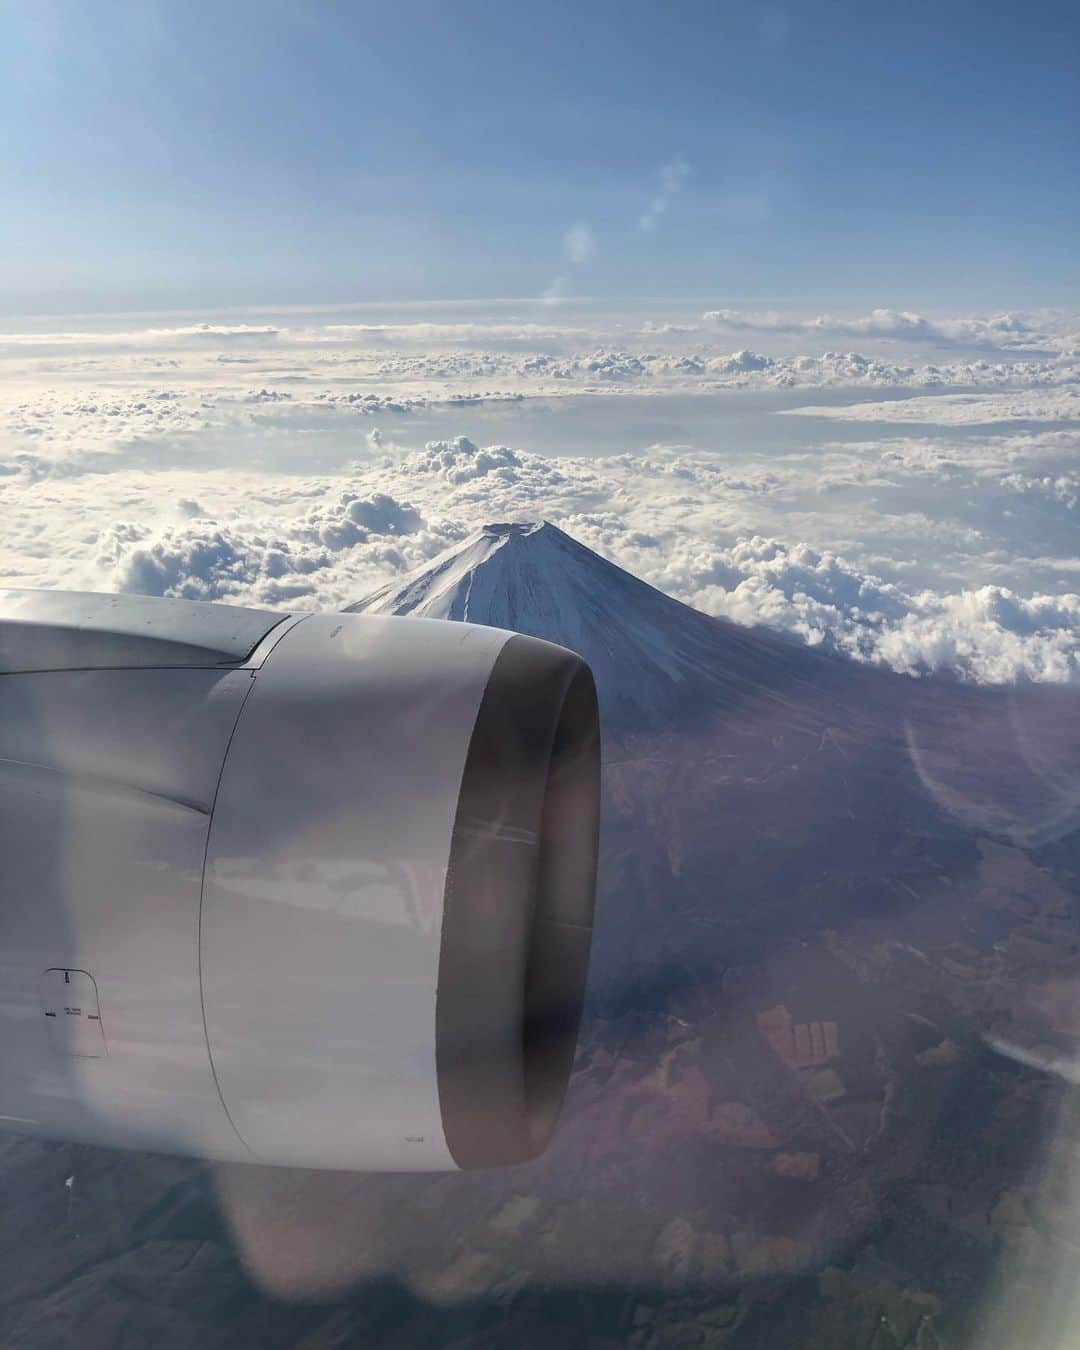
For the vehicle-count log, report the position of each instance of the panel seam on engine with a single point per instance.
(98, 782)
(202, 893)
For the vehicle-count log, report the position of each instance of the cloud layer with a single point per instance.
(995, 332)
(283, 463)
(672, 518)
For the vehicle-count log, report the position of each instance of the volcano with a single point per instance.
(992, 759)
(651, 654)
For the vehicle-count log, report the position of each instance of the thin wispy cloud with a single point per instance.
(580, 243)
(673, 178)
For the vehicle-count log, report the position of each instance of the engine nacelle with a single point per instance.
(303, 890)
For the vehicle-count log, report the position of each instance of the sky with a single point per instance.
(161, 154)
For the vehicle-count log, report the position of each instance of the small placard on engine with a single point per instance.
(70, 1004)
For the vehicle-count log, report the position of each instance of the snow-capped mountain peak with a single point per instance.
(645, 648)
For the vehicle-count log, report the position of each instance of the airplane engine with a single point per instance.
(308, 890)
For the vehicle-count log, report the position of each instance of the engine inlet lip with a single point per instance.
(518, 906)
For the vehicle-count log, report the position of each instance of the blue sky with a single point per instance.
(190, 154)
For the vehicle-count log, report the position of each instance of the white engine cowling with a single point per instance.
(304, 890)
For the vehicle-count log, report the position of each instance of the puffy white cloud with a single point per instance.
(987, 635)
(269, 554)
(459, 460)
(672, 517)
(379, 513)
(198, 563)
(1064, 488)
(995, 332)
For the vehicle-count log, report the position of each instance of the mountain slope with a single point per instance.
(649, 652)
(998, 759)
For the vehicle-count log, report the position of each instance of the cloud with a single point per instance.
(557, 291)
(486, 334)
(1023, 405)
(108, 339)
(268, 557)
(216, 332)
(938, 534)
(580, 243)
(998, 332)
(1063, 488)
(988, 635)
(459, 460)
(381, 514)
(140, 394)
(195, 563)
(671, 517)
(673, 177)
